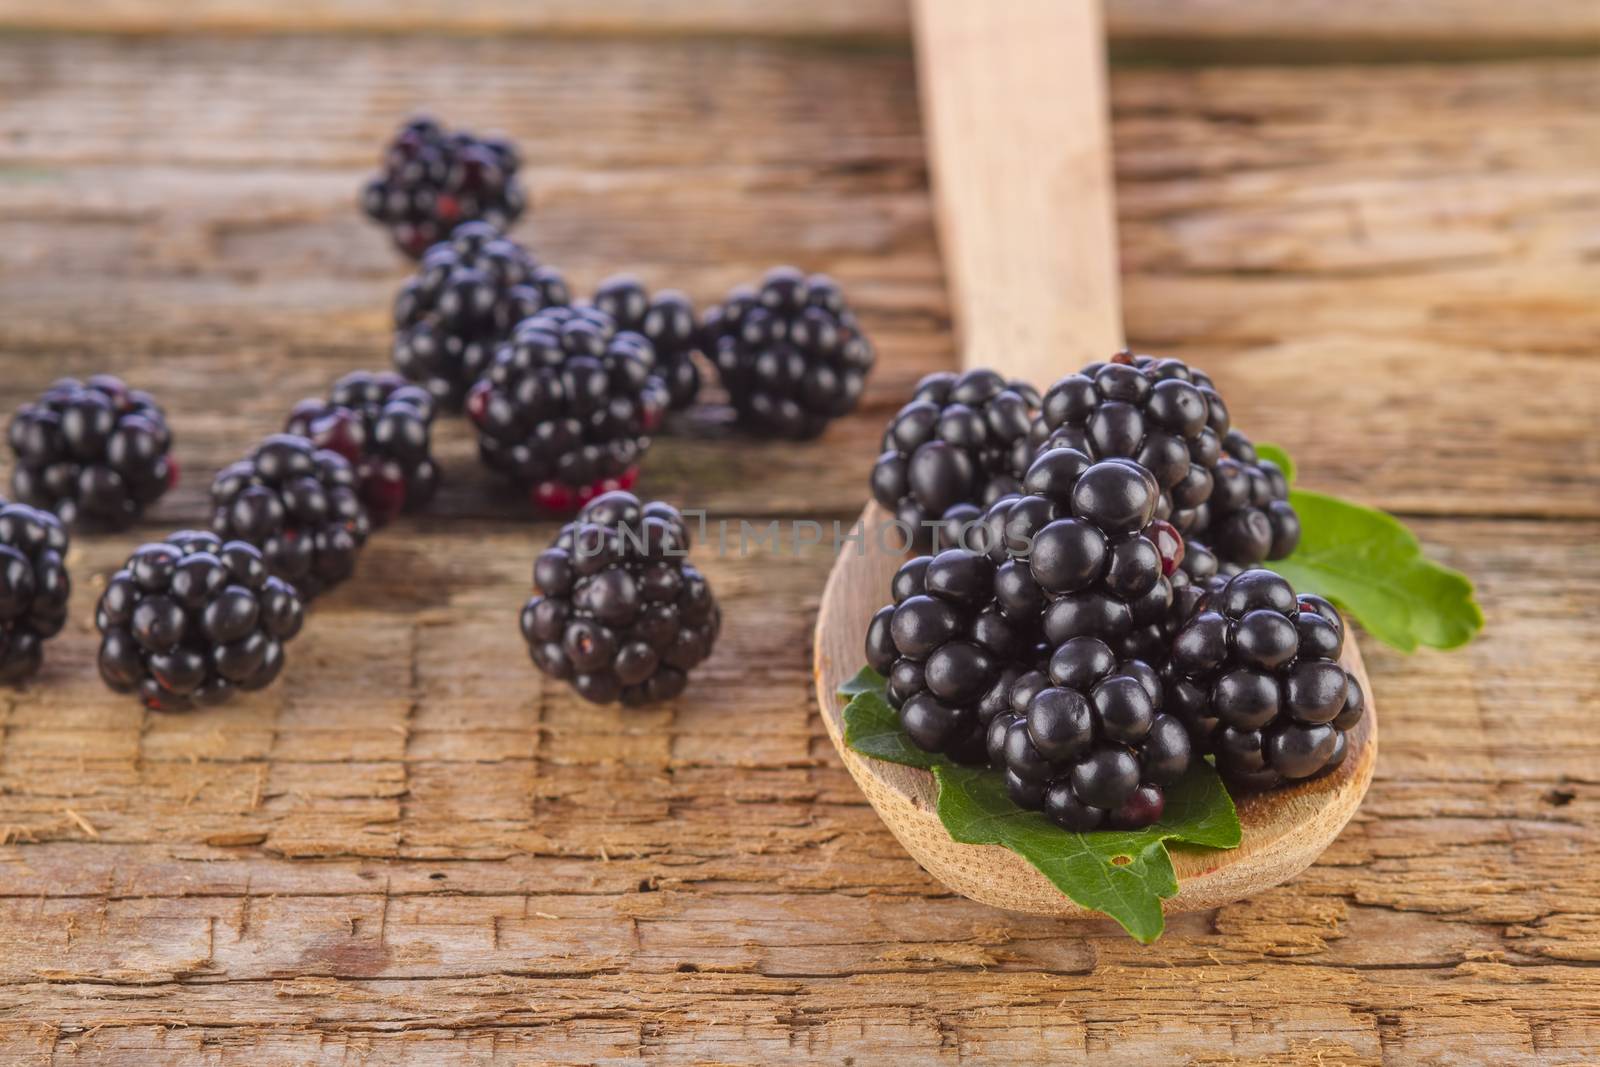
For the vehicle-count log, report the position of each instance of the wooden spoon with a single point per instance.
(1014, 95)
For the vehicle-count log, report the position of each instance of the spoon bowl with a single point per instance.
(1284, 829)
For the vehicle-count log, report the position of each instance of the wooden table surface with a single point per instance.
(1378, 227)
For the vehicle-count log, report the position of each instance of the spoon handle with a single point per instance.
(1014, 103)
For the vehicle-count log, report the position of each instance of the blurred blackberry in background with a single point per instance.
(1248, 518)
(34, 587)
(382, 425)
(92, 452)
(568, 406)
(193, 619)
(620, 613)
(958, 446)
(1255, 677)
(432, 180)
(300, 505)
(667, 321)
(467, 295)
(789, 353)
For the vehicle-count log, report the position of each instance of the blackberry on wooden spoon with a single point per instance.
(465, 298)
(433, 179)
(34, 587)
(959, 445)
(1255, 676)
(1085, 739)
(949, 651)
(382, 425)
(620, 613)
(194, 619)
(300, 505)
(789, 352)
(94, 452)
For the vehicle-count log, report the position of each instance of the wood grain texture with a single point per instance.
(414, 851)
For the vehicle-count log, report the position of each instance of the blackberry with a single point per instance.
(190, 620)
(433, 179)
(94, 451)
(1086, 740)
(667, 321)
(34, 587)
(789, 353)
(950, 651)
(568, 406)
(1171, 419)
(1255, 677)
(960, 444)
(465, 298)
(620, 613)
(382, 426)
(300, 505)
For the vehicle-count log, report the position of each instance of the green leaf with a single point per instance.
(1368, 563)
(1124, 874)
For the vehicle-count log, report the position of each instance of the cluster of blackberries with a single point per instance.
(465, 298)
(34, 587)
(193, 619)
(1171, 419)
(94, 451)
(1012, 648)
(300, 505)
(620, 613)
(433, 179)
(789, 353)
(960, 444)
(1255, 676)
(568, 405)
(381, 425)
